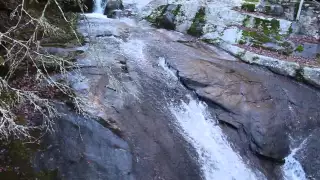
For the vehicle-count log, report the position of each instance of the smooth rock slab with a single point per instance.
(80, 148)
(265, 107)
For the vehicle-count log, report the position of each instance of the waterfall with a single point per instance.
(98, 6)
(216, 157)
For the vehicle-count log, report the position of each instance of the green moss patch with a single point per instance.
(255, 37)
(248, 7)
(153, 17)
(267, 26)
(158, 16)
(177, 10)
(300, 48)
(16, 157)
(263, 31)
(196, 29)
(65, 34)
(215, 41)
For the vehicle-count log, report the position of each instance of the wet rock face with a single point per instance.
(261, 108)
(309, 155)
(81, 148)
(112, 6)
(265, 111)
(246, 101)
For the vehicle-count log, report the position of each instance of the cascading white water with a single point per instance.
(98, 6)
(217, 158)
(169, 72)
(292, 168)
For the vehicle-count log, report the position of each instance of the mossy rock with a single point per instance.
(266, 31)
(254, 36)
(152, 18)
(248, 7)
(10, 98)
(177, 10)
(288, 47)
(66, 35)
(60, 31)
(267, 9)
(165, 16)
(215, 41)
(16, 159)
(267, 26)
(198, 23)
(299, 75)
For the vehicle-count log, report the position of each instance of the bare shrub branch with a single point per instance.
(22, 51)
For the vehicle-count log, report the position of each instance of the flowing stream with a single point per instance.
(216, 156)
(99, 6)
(292, 168)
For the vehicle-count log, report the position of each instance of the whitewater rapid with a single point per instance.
(216, 157)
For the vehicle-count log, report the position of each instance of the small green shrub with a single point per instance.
(300, 48)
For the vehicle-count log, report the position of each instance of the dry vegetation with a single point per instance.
(26, 69)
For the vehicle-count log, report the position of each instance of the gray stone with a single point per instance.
(168, 20)
(281, 67)
(277, 10)
(112, 7)
(309, 155)
(81, 148)
(312, 75)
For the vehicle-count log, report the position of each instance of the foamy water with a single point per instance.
(216, 157)
(98, 6)
(292, 168)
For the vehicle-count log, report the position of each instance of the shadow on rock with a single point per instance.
(81, 148)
